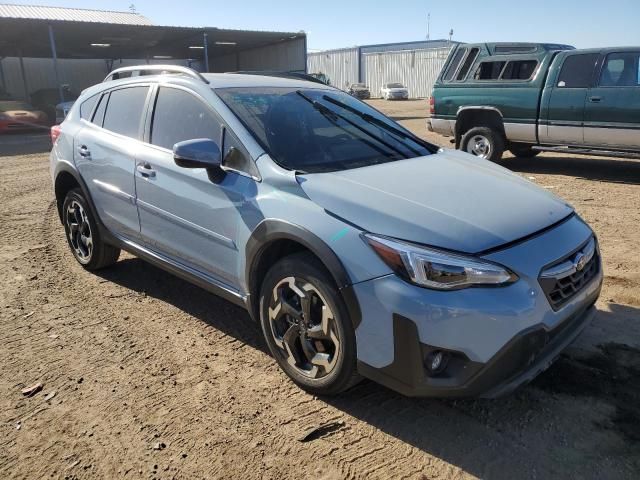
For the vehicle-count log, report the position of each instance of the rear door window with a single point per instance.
(519, 70)
(455, 62)
(180, 116)
(125, 109)
(489, 71)
(577, 71)
(621, 70)
(98, 116)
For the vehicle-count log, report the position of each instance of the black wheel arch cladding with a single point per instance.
(273, 230)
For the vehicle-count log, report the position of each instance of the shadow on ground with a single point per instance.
(611, 375)
(590, 168)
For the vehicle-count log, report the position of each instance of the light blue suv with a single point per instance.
(362, 250)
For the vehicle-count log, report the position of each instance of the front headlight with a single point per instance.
(437, 269)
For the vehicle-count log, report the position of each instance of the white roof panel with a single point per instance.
(72, 15)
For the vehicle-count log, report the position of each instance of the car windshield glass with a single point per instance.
(9, 106)
(395, 85)
(319, 130)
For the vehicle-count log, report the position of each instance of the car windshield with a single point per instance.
(320, 130)
(11, 105)
(395, 85)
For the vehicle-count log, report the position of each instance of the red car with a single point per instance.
(17, 115)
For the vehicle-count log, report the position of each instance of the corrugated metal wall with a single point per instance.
(341, 66)
(288, 55)
(416, 69)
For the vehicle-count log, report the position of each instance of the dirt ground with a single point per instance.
(155, 378)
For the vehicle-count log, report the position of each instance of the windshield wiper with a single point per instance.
(333, 116)
(378, 123)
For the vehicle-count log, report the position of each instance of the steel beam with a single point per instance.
(205, 43)
(54, 56)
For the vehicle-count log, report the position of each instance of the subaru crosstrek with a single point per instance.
(361, 250)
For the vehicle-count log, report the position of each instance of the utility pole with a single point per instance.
(428, 26)
(450, 35)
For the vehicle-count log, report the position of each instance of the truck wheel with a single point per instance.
(522, 150)
(483, 142)
(306, 325)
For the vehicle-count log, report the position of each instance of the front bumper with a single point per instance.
(496, 339)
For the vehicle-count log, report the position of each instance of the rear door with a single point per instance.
(612, 116)
(566, 103)
(190, 215)
(105, 153)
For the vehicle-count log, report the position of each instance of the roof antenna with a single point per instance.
(132, 8)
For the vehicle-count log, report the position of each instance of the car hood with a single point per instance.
(397, 90)
(450, 200)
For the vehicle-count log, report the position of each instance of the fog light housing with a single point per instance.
(436, 361)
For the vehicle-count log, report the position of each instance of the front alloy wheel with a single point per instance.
(306, 325)
(303, 327)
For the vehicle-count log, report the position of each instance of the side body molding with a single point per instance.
(271, 230)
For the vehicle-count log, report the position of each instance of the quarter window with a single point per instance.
(621, 70)
(489, 71)
(519, 70)
(98, 117)
(86, 108)
(124, 111)
(180, 116)
(455, 62)
(577, 71)
(468, 62)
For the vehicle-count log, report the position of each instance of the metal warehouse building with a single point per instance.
(415, 64)
(48, 47)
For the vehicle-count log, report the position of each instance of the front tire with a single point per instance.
(306, 326)
(483, 142)
(83, 235)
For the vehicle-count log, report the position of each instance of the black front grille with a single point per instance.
(563, 288)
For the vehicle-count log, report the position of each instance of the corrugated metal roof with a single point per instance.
(72, 15)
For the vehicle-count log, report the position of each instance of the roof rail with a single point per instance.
(156, 69)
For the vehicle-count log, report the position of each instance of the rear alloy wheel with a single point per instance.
(483, 142)
(306, 326)
(83, 235)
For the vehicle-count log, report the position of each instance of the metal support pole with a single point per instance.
(205, 42)
(24, 78)
(54, 55)
(2, 79)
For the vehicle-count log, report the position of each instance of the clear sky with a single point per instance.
(343, 23)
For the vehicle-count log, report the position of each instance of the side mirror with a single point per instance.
(197, 153)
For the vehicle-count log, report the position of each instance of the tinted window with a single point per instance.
(453, 66)
(520, 70)
(468, 62)
(621, 70)
(124, 111)
(180, 116)
(577, 71)
(86, 108)
(489, 71)
(102, 106)
(316, 130)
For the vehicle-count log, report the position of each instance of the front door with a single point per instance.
(105, 153)
(565, 110)
(189, 215)
(612, 116)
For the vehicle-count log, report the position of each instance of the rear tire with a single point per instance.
(483, 142)
(83, 235)
(306, 325)
(522, 150)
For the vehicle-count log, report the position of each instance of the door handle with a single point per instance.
(595, 99)
(145, 170)
(84, 152)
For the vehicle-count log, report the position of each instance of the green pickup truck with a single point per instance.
(532, 97)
